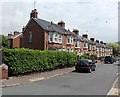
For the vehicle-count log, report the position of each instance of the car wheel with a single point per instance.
(93, 69)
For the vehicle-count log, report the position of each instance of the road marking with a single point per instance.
(110, 91)
(37, 79)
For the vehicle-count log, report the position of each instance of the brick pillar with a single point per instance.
(4, 71)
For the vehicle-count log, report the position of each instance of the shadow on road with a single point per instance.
(117, 64)
(80, 71)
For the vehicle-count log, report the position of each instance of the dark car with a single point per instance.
(85, 64)
(109, 59)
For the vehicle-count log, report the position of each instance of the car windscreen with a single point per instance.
(82, 62)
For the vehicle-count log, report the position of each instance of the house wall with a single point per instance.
(37, 36)
(16, 42)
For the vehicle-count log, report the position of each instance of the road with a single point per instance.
(98, 82)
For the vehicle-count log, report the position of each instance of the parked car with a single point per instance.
(85, 64)
(109, 59)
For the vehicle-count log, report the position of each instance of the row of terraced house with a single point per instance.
(40, 34)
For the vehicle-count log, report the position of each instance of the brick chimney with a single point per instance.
(101, 42)
(97, 41)
(92, 39)
(104, 43)
(76, 31)
(61, 23)
(10, 34)
(16, 32)
(34, 14)
(85, 36)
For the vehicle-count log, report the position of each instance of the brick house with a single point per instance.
(15, 39)
(40, 34)
(44, 35)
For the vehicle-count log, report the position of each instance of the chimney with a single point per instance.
(101, 42)
(85, 36)
(76, 31)
(34, 14)
(92, 39)
(23, 29)
(16, 32)
(61, 23)
(104, 43)
(10, 34)
(97, 41)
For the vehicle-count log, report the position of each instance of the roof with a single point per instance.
(14, 36)
(49, 26)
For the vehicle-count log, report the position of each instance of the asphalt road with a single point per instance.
(98, 82)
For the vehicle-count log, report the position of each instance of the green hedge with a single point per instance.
(21, 61)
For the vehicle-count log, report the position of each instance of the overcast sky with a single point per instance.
(99, 19)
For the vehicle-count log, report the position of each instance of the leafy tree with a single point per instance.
(4, 42)
(116, 48)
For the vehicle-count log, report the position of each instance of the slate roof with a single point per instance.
(49, 26)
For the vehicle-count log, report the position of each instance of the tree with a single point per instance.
(116, 48)
(4, 42)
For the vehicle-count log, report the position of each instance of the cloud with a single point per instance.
(85, 15)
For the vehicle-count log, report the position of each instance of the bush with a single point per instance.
(85, 56)
(21, 61)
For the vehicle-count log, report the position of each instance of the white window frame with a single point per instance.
(55, 38)
(85, 45)
(60, 38)
(68, 38)
(50, 33)
(71, 40)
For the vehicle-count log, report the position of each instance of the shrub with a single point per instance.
(21, 61)
(85, 56)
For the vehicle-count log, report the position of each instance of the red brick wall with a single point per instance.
(37, 36)
(16, 42)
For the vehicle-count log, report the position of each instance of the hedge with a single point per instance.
(21, 61)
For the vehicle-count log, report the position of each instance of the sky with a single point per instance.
(97, 18)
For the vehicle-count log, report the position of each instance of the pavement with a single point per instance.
(20, 80)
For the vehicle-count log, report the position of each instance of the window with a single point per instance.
(30, 37)
(68, 39)
(71, 40)
(55, 37)
(50, 37)
(77, 44)
(85, 45)
(60, 38)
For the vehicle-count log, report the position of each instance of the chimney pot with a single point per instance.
(76, 31)
(85, 36)
(61, 23)
(92, 39)
(34, 14)
(97, 41)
